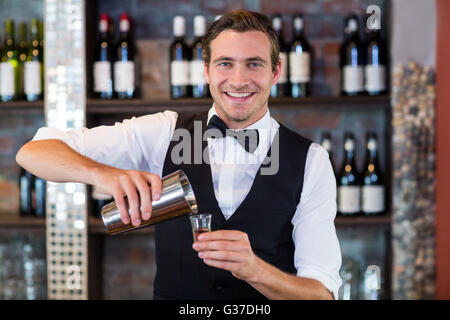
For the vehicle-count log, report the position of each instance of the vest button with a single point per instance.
(218, 287)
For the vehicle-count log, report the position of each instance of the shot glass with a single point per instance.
(200, 223)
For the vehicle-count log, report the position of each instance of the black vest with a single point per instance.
(265, 215)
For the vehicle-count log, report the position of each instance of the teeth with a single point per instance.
(239, 95)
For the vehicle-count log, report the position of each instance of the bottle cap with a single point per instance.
(103, 23)
(298, 22)
(124, 24)
(352, 25)
(179, 27)
(199, 26)
(276, 23)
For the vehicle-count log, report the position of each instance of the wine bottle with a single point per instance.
(373, 190)
(100, 200)
(33, 67)
(9, 65)
(326, 143)
(299, 61)
(124, 66)
(102, 67)
(26, 182)
(348, 181)
(375, 69)
(40, 192)
(352, 60)
(281, 88)
(179, 62)
(22, 51)
(198, 81)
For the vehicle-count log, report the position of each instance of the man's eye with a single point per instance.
(255, 64)
(224, 64)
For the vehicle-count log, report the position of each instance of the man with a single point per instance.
(273, 235)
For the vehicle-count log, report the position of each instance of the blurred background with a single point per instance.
(365, 78)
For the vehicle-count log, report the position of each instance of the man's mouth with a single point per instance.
(239, 95)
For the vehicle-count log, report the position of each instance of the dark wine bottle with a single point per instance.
(40, 192)
(100, 200)
(299, 61)
(26, 181)
(9, 65)
(375, 69)
(33, 68)
(326, 143)
(124, 66)
(102, 67)
(281, 88)
(198, 81)
(180, 55)
(352, 59)
(348, 180)
(373, 190)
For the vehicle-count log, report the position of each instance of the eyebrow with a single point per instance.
(224, 58)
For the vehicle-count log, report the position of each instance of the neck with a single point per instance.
(237, 124)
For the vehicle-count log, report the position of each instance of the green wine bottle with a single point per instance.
(9, 65)
(34, 66)
(22, 50)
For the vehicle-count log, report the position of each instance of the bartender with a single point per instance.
(273, 231)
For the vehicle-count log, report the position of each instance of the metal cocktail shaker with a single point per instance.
(177, 198)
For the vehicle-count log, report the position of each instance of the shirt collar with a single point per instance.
(264, 123)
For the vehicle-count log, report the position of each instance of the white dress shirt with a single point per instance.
(141, 144)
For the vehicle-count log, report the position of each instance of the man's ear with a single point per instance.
(206, 71)
(276, 73)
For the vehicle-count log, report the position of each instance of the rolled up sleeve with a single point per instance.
(317, 251)
(139, 143)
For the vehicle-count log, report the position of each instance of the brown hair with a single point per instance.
(241, 21)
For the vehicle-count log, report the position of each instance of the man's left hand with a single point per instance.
(229, 250)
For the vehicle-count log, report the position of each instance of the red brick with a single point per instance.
(289, 7)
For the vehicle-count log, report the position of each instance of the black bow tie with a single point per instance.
(248, 139)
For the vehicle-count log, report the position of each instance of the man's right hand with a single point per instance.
(140, 187)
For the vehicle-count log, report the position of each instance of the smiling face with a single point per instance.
(240, 76)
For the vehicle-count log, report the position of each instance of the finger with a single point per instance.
(120, 203)
(133, 202)
(229, 256)
(232, 235)
(225, 265)
(156, 185)
(145, 198)
(220, 245)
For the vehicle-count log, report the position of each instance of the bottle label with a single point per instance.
(6, 79)
(24, 189)
(349, 199)
(373, 199)
(375, 78)
(102, 76)
(123, 76)
(299, 67)
(284, 68)
(353, 77)
(179, 73)
(32, 77)
(197, 73)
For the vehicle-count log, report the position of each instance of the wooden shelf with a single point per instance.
(381, 221)
(136, 106)
(95, 225)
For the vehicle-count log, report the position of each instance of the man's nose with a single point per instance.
(239, 78)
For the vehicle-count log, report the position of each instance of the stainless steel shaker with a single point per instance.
(177, 198)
